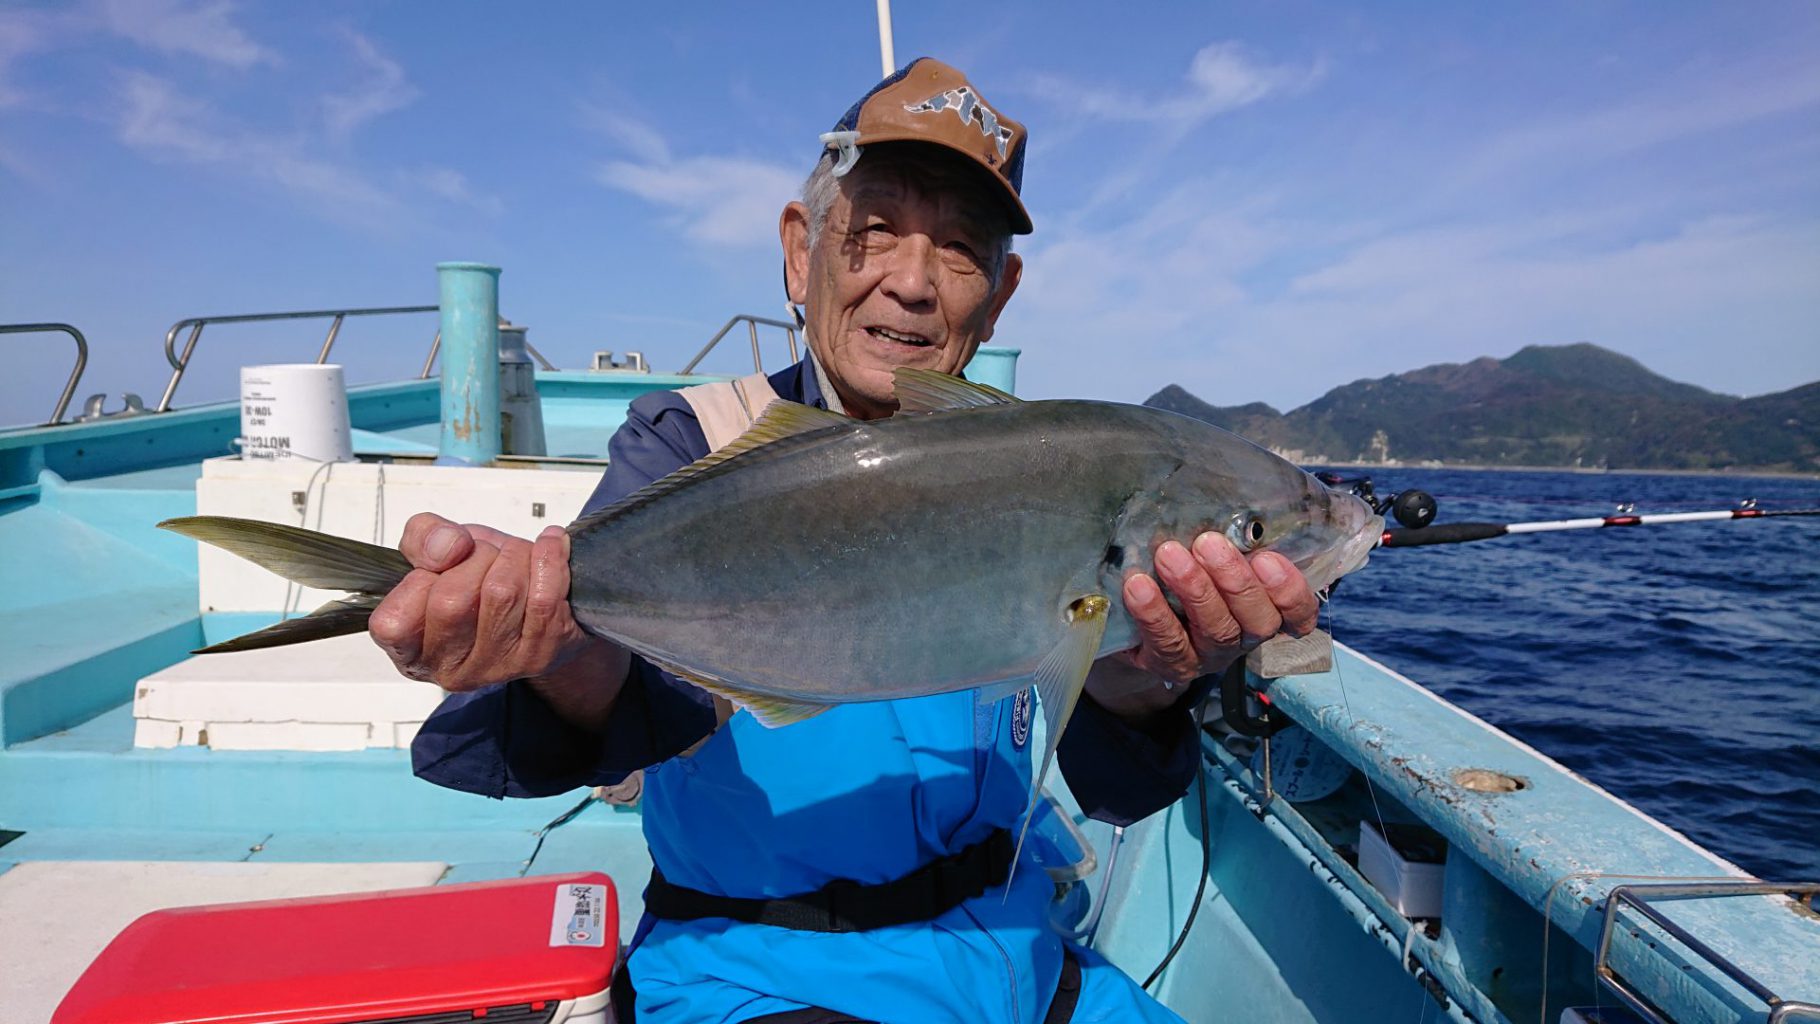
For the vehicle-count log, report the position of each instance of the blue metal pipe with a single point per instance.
(995, 365)
(470, 363)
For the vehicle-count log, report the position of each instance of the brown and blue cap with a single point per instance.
(928, 101)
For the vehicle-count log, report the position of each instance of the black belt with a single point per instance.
(847, 906)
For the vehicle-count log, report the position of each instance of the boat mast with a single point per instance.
(886, 57)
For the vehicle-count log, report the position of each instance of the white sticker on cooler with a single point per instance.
(580, 916)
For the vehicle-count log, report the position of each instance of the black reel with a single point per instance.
(1412, 508)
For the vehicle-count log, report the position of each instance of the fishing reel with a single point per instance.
(1412, 508)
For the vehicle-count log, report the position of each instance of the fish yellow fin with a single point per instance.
(779, 420)
(930, 391)
(771, 712)
(996, 692)
(1059, 679)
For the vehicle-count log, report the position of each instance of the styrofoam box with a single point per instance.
(1599, 1015)
(341, 693)
(370, 502)
(1412, 886)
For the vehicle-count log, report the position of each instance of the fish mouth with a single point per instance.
(1363, 530)
(1358, 549)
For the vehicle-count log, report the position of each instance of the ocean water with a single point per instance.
(1677, 666)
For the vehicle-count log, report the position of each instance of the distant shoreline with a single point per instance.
(1766, 474)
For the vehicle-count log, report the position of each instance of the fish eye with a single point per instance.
(1246, 531)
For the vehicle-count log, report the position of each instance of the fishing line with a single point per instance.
(1340, 677)
(379, 505)
(1200, 888)
(1548, 913)
(292, 592)
(555, 823)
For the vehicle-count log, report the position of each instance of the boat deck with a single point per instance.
(1289, 929)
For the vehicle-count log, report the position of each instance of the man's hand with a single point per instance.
(1230, 605)
(484, 607)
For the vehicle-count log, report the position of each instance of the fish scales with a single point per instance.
(917, 554)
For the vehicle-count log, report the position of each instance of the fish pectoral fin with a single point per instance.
(988, 695)
(932, 391)
(771, 712)
(1059, 679)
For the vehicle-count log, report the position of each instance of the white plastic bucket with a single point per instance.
(294, 410)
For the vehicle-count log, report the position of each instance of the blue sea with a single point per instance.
(1677, 666)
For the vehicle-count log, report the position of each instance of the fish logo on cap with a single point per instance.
(913, 104)
(970, 108)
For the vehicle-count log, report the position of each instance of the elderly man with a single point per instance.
(852, 866)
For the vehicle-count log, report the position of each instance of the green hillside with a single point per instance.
(1561, 405)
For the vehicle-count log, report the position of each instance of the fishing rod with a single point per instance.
(1415, 510)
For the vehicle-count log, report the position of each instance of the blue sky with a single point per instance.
(1258, 201)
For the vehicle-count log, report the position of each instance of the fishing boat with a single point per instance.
(1355, 849)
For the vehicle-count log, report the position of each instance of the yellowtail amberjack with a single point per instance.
(971, 541)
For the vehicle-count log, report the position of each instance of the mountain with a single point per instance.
(1560, 405)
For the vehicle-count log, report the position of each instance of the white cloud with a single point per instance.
(383, 90)
(203, 30)
(310, 161)
(451, 185)
(723, 201)
(1222, 77)
(713, 200)
(1193, 294)
(24, 32)
(626, 130)
(158, 120)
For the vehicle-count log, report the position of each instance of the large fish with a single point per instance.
(971, 541)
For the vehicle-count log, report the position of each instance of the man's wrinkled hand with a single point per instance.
(1230, 604)
(481, 606)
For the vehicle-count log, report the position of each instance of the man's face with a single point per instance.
(902, 275)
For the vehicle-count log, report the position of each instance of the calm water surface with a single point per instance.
(1677, 666)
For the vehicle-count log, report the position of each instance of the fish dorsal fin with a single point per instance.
(779, 420)
(929, 391)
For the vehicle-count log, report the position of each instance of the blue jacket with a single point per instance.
(867, 792)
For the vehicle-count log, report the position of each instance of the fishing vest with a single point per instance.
(726, 408)
(868, 792)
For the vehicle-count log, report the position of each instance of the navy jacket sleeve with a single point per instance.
(1120, 772)
(504, 741)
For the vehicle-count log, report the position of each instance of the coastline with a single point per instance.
(1765, 474)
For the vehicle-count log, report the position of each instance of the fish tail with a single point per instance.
(366, 571)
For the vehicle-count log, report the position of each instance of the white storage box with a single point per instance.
(1407, 867)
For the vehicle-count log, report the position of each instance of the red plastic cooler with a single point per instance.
(511, 952)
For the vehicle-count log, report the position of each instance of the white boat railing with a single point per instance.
(1637, 899)
(752, 325)
(179, 364)
(69, 388)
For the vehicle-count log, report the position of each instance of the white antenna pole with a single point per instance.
(885, 54)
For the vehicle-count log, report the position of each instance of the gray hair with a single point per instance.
(822, 186)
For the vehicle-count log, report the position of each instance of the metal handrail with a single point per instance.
(1637, 897)
(752, 324)
(69, 389)
(436, 346)
(179, 364)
